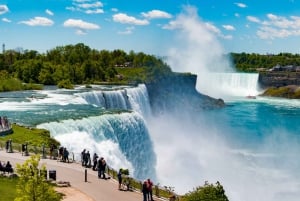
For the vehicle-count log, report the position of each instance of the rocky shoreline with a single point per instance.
(278, 79)
(280, 84)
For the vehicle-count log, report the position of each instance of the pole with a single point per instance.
(85, 175)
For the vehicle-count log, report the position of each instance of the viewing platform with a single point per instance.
(5, 126)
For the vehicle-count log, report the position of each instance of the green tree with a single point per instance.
(32, 184)
(207, 192)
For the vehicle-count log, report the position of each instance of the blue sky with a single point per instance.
(152, 26)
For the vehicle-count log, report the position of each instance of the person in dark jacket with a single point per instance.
(120, 179)
(95, 158)
(145, 190)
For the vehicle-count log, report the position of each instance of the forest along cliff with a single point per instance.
(177, 92)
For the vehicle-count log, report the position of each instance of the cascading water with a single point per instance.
(228, 84)
(126, 131)
(119, 132)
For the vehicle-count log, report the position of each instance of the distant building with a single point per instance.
(3, 48)
(286, 68)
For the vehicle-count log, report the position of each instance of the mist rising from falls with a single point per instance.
(198, 147)
(197, 50)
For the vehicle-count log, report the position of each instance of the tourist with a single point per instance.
(95, 158)
(66, 155)
(145, 190)
(7, 145)
(99, 164)
(1, 167)
(87, 161)
(52, 147)
(8, 167)
(101, 168)
(83, 155)
(150, 184)
(120, 179)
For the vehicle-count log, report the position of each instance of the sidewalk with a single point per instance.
(93, 190)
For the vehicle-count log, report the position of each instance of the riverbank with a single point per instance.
(290, 92)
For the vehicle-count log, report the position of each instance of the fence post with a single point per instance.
(85, 175)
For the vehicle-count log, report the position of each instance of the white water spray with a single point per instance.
(192, 148)
(198, 51)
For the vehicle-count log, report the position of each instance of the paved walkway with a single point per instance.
(94, 189)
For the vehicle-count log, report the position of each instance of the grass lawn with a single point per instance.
(34, 136)
(8, 188)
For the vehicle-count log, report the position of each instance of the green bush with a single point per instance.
(208, 192)
(33, 184)
(283, 92)
(65, 84)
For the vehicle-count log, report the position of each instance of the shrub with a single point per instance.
(209, 192)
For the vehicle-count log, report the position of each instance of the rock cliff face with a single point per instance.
(177, 92)
(279, 79)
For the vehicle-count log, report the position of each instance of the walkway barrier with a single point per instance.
(133, 184)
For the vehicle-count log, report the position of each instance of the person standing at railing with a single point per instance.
(145, 190)
(7, 145)
(120, 179)
(83, 156)
(52, 147)
(10, 150)
(150, 185)
(95, 158)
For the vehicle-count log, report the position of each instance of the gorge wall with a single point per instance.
(278, 79)
(177, 92)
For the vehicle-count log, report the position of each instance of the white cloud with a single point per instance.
(49, 12)
(236, 14)
(125, 19)
(272, 33)
(241, 5)
(128, 31)
(228, 27)
(71, 8)
(114, 10)
(5, 20)
(87, 6)
(96, 11)
(96, 4)
(156, 14)
(80, 32)
(3, 9)
(212, 28)
(38, 21)
(253, 19)
(80, 24)
(81, 1)
(277, 26)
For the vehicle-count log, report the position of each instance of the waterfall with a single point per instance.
(139, 100)
(222, 85)
(131, 98)
(121, 136)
